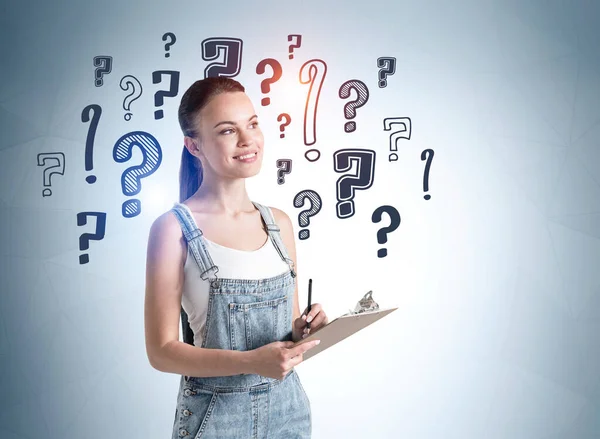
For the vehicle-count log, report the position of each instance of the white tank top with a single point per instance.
(233, 264)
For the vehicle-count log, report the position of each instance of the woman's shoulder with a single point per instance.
(280, 217)
(166, 224)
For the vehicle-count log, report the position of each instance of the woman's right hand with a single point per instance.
(276, 360)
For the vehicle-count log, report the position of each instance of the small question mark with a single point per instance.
(348, 184)
(91, 135)
(85, 238)
(284, 167)
(388, 67)
(285, 124)
(428, 153)
(131, 178)
(160, 95)
(295, 45)
(312, 72)
(169, 36)
(383, 232)
(231, 48)
(265, 85)
(397, 135)
(303, 217)
(350, 107)
(130, 82)
(42, 158)
(104, 66)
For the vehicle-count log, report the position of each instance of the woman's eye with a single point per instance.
(224, 131)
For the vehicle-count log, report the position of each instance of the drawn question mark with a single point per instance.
(131, 178)
(42, 158)
(428, 153)
(169, 36)
(103, 66)
(284, 167)
(388, 67)
(285, 124)
(383, 232)
(91, 135)
(229, 49)
(350, 107)
(85, 238)
(130, 82)
(295, 45)
(303, 217)
(265, 85)
(406, 124)
(161, 94)
(312, 72)
(349, 183)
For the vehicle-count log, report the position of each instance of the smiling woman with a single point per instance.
(227, 266)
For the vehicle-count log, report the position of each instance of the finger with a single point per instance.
(304, 347)
(314, 311)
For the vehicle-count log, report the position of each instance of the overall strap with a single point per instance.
(273, 231)
(193, 235)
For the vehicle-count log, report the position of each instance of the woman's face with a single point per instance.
(228, 131)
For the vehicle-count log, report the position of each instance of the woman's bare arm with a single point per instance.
(164, 284)
(288, 237)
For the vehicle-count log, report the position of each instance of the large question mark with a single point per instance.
(42, 158)
(349, 183)
(397, 135)
(161, 94)
(303, 217)
(284, 166)
(288, 119)
(350, 107)
(85, 238)
(265, 85)
(230, 48)
(295, 45)
(312, 72)
(429, 154)
(91, 135)
(169, 36)
(130, 82)
(388, 67)
(383, 232)
(131, 178)
(103, 66)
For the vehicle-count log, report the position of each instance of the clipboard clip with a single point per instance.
(366, 304)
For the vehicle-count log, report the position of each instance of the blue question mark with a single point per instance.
(131, 178)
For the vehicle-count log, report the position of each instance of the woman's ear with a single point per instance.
(192, 146)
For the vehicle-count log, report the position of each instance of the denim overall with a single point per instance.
(242, 314)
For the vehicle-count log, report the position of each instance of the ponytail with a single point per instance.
(190, 175)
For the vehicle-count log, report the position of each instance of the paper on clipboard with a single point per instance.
(366, 312)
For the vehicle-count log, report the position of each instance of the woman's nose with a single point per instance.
(246, 138)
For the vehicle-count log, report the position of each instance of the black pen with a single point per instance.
(309, 300)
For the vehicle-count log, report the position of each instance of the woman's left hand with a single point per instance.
(316, 317)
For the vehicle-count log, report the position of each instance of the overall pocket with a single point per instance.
(194, 413)
(256, 324)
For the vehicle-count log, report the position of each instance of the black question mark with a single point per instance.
(84, 239)
(383, 232)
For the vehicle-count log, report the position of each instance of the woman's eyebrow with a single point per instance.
(233, 123)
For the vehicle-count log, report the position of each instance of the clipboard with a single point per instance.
(345, 325)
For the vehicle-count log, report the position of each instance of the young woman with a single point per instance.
(227, 266)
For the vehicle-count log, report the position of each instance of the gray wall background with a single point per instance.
(496, 276)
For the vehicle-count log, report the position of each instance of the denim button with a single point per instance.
(183, 432)
(186, 412)
(187, 392)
